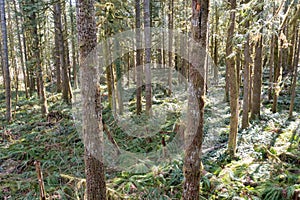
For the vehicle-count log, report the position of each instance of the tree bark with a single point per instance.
(247, 56)
(194, 133)
(233, 83)
(92, 119)
(138, 58)
(277, 75)
(257, 80)
(66, 95)
(170, 37)
(148, 56)
(5, 62)
(21, 49)
(295, 73)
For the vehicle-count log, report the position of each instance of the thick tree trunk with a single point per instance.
(5, 62)
(233, 84)
(194, 133)
(138, 62)
(92, 122)
(148, 57)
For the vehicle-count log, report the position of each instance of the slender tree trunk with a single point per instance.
(5, 62)
(216, 47)
(257, 80)
(66, 95)
(92, 122)
(233, 84)
(271, 78)
(148, 56)
(57, 58)
(74, 62)
(138, 58)
(21, 49)
(38, 63)
(119, 77)
(247, 56)
(12, 55)
(194, 134)
(277, 75)
(295, 73)
(170, 37)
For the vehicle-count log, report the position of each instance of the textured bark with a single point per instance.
(194, 133)
(148, 56)
(5, 62)
(138, 58)
(257, 80)
(233, 83)
(92, 119)
(247, 56)
(295, 74)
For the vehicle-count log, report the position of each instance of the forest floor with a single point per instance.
(267, 164)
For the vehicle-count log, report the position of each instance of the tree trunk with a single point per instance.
(277, 75)
(295, 73)
(21, 49)
(38, 63)
(5, 62)
(170, 37)
(271, 79)
(194, 133)
(216, 47)
(233, 84)
(247, 56)
(13, 57)
(119, 77)
(148, 56)
(92, 122)
(257, 80)
(74, 62)
(138, 58)
(66, 95)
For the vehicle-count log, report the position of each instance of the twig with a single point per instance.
(40, 179)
